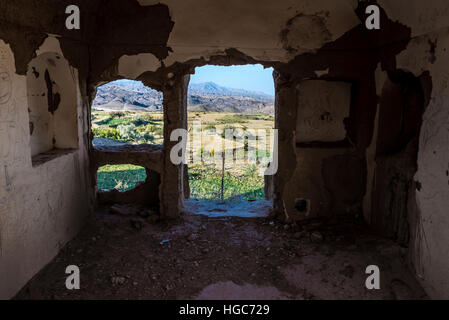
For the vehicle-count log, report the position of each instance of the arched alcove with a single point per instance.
(52, 104)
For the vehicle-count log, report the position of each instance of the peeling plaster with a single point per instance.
(181, 34)
(50, 44)
(30, 235)
(320, 73)
(305, 33)
(131, 67)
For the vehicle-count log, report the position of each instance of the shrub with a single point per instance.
(228, 127)
(251, 170)
(231, 119)
(201, 152)
(114, 122)
(148, 137)
(146, 117)
(159, 131)
(151, 128)
(138, 121)
(117, 114)
(108, 133)
(129, 133)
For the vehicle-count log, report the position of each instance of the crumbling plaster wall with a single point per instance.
(171, 39)
(302, 40)
(44, 204)
(426, 51)
(269, 33)
(428, 209)
(254, 27)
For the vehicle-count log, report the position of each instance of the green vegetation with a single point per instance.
(263, 154)
(262, 117)
(244, 118)
(108, 133)
(241, 180)
(234, 119)
(114, 122)
(120, 177)
(205, 184)
(210, 127)
(128, 126)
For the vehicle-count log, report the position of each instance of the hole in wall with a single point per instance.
(127, 112)
(230, 120)
(124, 177)
(302, 205)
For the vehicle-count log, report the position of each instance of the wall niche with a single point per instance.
(52, 105)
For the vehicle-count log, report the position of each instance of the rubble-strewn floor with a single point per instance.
(224, 258)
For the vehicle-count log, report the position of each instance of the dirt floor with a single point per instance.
(199, 257)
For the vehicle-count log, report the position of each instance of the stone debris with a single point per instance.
(299, 235)
(316, 237)
(123, 210)
(153, 219)
(193, 236)
(118, 280)
(136, 224)
(144, 213)
(141, 213)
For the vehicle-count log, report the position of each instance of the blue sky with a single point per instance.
(248, 77)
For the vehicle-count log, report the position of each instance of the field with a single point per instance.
(131, 127)
(241, 178)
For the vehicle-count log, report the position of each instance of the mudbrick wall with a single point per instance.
(378, 151)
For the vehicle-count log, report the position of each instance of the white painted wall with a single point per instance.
(41, 207)
(59, 129)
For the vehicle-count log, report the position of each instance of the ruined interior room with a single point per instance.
(361, 167)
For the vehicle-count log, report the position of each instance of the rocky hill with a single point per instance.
(134, 96)
(127, 95)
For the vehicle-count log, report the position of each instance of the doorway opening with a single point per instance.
(231, 128)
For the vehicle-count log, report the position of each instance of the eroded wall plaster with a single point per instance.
(41, 207)
(174, 37)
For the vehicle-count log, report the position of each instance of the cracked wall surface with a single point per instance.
(430, 218)
(43, 204)
(161, 43)
(52, 99)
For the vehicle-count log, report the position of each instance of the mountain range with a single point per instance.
(208, 96)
